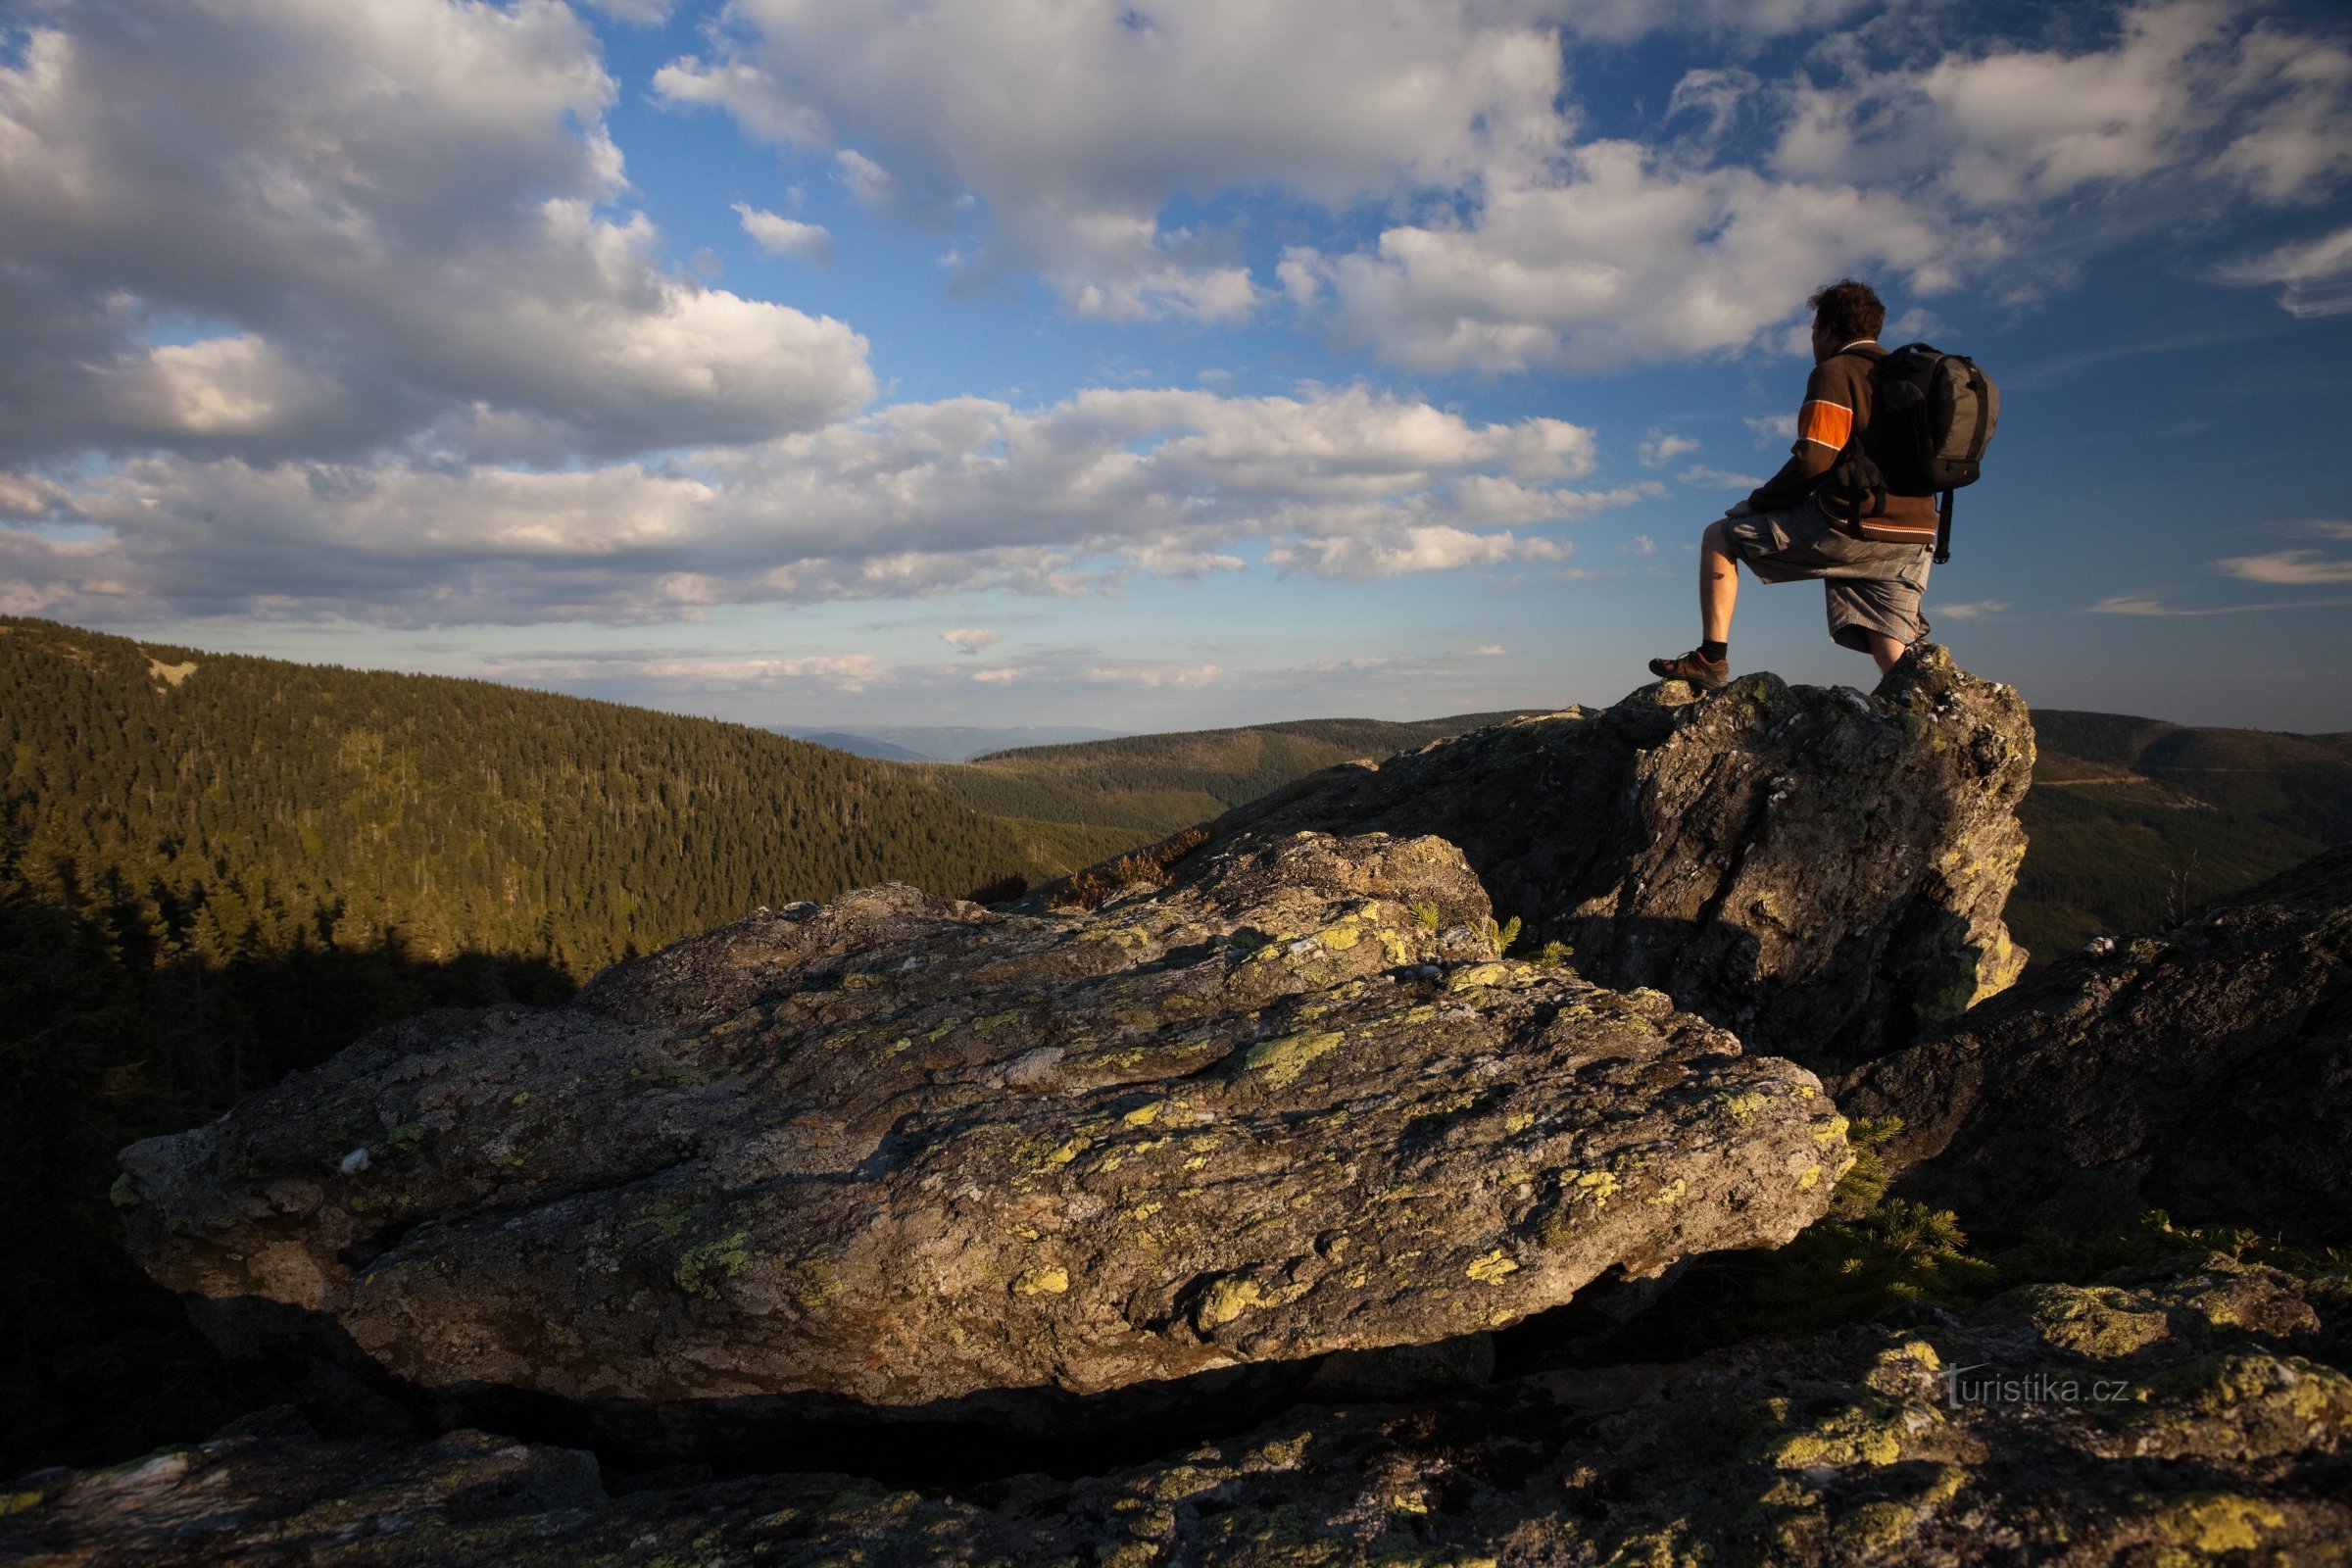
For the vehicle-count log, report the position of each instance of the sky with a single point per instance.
(827, 363)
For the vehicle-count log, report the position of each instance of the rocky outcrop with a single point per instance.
(2206, 1071)
(903, 1155)
(1819, 871)
(2182, 1413)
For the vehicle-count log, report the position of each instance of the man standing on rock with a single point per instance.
(1785, 534)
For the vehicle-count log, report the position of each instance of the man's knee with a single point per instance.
(1717, 539)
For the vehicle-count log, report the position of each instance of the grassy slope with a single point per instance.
(1147, 786)
(2134, 820)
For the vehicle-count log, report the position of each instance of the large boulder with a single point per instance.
(2206, 1072)
(2184, 1414)
(904, 1156)
(1821, 871)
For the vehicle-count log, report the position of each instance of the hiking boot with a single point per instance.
(1707, 674)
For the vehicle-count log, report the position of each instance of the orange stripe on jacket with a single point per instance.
(1829, 423)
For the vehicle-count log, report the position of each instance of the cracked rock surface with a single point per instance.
(1819, 871)
(2206, 1071)
(2177, 1414)
(901, 1154)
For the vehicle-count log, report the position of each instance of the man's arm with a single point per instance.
(1822, 422)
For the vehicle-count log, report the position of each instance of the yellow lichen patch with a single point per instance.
(1518, 1121)
(1282, 1061)
(1342, 937)
(1493, 1268)
(2210, 1523)
(1741, 1109)
(2100, 1320)
(1225, 1300)
(1144, 1116)
(1284, 1453)
(702, 1269)
(1671, 1193)
(814, 1280)
(1870, 1432)
(1597, 1185)
(1476, 975)
(1876, 1526)
(1046, 1280)
(1831, 1131)
(1808, 1179)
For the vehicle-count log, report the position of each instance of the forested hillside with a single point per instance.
(2135, 821)
(1155, 784)
(214, 870)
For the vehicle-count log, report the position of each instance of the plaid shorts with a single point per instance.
(1870, 585)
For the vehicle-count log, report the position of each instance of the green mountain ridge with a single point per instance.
(2135, 821)
(1154, 785)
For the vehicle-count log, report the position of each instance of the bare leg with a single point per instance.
(1718, 584)
(1885, 649)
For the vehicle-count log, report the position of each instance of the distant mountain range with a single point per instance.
(1151, 785)
(2132, 821)
(2135, 821)
(944, 743)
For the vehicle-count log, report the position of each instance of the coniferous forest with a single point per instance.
(216, 869)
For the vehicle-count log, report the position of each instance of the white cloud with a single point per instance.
(388, 221)
(1434, 546)
(2129, 604)
(910, 500)
(1155, 676)
(1587, 255)
(1661, 449)
(643, 11)
(2286, 566)
(1074, 125)
(779, 235)
(1975, 611)
(970, 639)
(1772, 428)
(2315, 275)
(1717, 479)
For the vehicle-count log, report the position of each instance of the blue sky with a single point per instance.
(839, 362)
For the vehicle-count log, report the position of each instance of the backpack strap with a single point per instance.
(1943, 531)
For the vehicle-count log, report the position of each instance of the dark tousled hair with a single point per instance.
(1849, 310)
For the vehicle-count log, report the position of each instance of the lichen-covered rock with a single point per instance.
(901, 1154)
(1979, 1438)
(2206, 1072)
(1822, 872)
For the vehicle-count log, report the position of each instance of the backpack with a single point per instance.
(1933, 416)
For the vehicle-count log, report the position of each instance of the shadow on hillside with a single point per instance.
(104, 1039)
